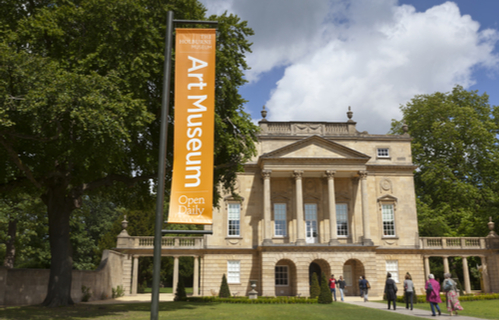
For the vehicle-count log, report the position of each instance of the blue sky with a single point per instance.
(310, 62)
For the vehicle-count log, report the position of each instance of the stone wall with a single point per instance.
(29, 286)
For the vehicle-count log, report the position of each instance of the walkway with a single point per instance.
(425, 314)
(142, 297)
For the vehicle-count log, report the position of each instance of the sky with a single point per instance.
(312, 59)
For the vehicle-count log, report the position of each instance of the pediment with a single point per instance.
(315, 147)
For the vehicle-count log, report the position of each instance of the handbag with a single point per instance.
(429, 288)
(368, 285)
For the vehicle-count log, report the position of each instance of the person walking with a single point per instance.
(450, 288)
(341, 286)
(332, 283)
(432, 289)
(390, 291)
(408, 287)
(364, 286)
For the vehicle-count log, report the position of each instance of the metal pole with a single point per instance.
(155, 294)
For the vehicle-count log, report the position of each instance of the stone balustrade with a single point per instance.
(166, 242)
(453, 243)
(308, 128)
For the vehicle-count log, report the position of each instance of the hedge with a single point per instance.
(469, 297)
(259, 300)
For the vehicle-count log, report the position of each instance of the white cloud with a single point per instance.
(371, 55)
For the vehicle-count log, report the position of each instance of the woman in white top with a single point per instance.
(408, 286)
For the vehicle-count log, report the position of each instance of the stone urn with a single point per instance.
(253, 294)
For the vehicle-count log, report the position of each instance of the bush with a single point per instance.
(224, 288)
(314, 289)
(118, 292)
(180, 293)
(325, 295)
(142, 287)
(469, 297)
(259, 300)
(86, 294)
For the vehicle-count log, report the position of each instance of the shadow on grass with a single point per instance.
(92, 311)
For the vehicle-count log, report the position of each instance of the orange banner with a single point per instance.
(192, 180)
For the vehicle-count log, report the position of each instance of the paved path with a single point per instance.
(425, 314)
(143, 297)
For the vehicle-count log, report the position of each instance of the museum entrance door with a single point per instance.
(352, 270)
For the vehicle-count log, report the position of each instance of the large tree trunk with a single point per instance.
(10, 254)
(59, 208)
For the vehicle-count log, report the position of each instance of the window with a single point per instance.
(233, 217)
(341, 210)
(383, 152)
(233, 271)
(280, 219)
(281, 275)
(391, 266)
(388, 220)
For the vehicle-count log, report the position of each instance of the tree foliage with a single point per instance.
(455, 146)
(314, 289)
(224, 288)
(325, 294)
(80, 96)
(180, 292)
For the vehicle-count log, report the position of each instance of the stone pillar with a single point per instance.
(426, 267)
(176, 274)
(202, 270)
(446, 265)
(366, 214)
(266, 174)
(301, 231)
(195, 277)
(484, 273)
(331, 207)
(135, 274)
(466, 275)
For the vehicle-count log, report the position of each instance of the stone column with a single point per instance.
(266, 174)
(195, 277)
(446, 265)
(426, 267)
(176, 274)
(486, 278)
(202, 270)
(301, 231)
(364, 204)
(331, 206)
(135, 274)
(466, 275)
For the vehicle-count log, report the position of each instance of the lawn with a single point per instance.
(189, 311)
(486, 309)
(168, 290)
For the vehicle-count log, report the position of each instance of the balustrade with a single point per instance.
(453, 243)
(166, 242)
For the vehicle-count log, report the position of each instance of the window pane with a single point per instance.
(310, 211)
(281, 275)
(388, 219)
(280, 219)
(391, 266)
(233, 272)
(233, 215)
(341, 211)
(383, 152)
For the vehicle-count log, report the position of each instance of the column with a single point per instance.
(266, 174)
(446, 265)
(176, 274)
(299, 204)
(195, 276)
(466, 275)
(331, 206)
(202, 279)
(426, 267)
(486, 278)
(364, 204)
(135, 274)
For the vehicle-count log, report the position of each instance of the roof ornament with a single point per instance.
(491, 226)
(264, 113)
(349, 114)
(405, 128)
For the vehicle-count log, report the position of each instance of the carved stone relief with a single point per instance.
(385, 186)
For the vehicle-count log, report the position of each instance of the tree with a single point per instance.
(180, 292)
(80, 95)
(325, 295)
(455, 146)
(315, 289)
(224, 288)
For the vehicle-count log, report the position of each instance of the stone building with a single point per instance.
(318, 197)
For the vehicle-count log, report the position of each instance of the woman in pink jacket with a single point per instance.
(432, 289)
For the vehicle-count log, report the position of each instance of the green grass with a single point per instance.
(168, 290)
(189, 311)
(486, 309)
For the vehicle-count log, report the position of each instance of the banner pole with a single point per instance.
(160, 195)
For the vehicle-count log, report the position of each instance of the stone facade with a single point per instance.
(318, 197)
